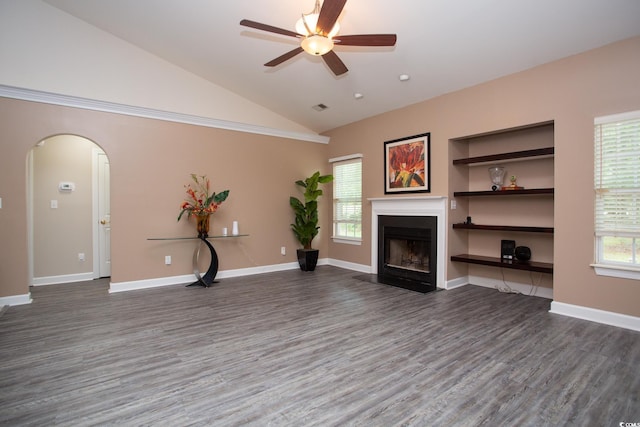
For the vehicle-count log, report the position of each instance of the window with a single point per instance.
(617, 194)
(347, 199)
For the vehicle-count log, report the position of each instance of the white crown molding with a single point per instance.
(150, 113)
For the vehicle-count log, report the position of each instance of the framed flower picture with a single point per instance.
(407, 163)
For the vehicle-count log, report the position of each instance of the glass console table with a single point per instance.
(209, 277)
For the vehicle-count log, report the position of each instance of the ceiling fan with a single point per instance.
(317, 31)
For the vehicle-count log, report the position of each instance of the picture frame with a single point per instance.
(407, 164)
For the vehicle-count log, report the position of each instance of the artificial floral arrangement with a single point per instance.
(201, 201)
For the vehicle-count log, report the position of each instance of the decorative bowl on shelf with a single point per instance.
(496, 173)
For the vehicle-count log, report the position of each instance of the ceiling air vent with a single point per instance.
(320, 107)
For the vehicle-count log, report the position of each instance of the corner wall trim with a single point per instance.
(16, 299)
(150, 113)
(595, 315)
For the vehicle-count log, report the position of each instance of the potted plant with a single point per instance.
(306, 226)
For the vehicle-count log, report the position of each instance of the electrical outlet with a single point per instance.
(81, 256)
(167, 260)
(283, 250)
(454, 204)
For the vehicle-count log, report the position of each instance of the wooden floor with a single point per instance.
(305, 349)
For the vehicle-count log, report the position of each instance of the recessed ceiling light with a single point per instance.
(358, 95)
(403, 77)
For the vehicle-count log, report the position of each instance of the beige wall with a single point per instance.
(61, 233)
(571, 92)
(150, 162)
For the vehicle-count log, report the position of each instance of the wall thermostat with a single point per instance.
(66, 187)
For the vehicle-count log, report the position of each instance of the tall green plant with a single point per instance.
(306, 226)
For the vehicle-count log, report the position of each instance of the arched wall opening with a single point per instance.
(68, 210)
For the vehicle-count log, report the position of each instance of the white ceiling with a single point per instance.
(444, 45)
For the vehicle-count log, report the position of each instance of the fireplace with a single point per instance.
(407, 210)
(407, 251)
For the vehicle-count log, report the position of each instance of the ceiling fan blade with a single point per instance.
(329, 13)
(280, 59)
(366, 40)
(269, 28)
(335, 63)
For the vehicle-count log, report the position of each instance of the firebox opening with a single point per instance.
(407, 252)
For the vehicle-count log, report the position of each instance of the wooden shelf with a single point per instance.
(504, 131)
(525, 192)
(513, 228)
(540, 267)
(502, 157)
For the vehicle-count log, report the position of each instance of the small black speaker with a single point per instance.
(523, 253)
(506, 249)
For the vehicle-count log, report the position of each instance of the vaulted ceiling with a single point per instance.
(443, 46)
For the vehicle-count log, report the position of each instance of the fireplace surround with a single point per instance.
(411, 211)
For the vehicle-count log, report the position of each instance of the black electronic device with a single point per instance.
(507, 249)
(522, 253)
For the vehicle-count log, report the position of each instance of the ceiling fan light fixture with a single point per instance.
(317, 45)
(306, 25)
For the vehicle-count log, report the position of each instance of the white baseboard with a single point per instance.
(135, 285)
(350, 265)
(16, 299)
(259, 270)
(456, 283)
(523, 288)
(188, 278)
(595, 315)
(66, 278)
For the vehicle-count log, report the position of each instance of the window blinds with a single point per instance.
(617, 175)
(347, 197)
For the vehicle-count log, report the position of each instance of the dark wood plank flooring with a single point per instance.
(304, 349)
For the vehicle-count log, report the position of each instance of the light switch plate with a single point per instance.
(54, 204)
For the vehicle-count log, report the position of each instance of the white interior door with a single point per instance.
(104, 213)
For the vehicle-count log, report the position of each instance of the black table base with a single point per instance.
(209, 277)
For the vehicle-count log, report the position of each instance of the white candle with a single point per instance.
(234, 230)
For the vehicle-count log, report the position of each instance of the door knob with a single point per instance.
(103, 221)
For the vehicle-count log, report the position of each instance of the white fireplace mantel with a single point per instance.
(412, 206)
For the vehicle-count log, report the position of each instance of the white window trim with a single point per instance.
(612, 269)
(341, 239)
(347, 241)
(347, 157)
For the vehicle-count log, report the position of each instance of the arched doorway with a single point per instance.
(69, 213)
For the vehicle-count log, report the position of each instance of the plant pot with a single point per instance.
(307, 258)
